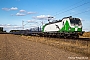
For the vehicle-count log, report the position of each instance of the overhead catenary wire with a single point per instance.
(68, 7)
(81, 12)
(71, 14)
(72, 8)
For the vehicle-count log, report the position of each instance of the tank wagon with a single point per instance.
(68, 27)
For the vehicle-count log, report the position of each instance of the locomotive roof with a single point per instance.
(53, 22)
(70, 17)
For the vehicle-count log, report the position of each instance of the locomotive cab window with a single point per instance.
(75, 21)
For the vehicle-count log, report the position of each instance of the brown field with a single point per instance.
(86, 34)
(76, 46)
(16, 47)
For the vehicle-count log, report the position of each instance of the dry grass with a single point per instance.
(86, 34)
(77, 46)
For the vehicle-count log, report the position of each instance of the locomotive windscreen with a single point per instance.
(75, 21)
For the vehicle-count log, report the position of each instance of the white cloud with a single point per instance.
(23, 14)
(6, 9)
(31, 12)
(14, 8)
(32, 26)
(20, 14)
(17, 27)
(6, 25)
(43, 17)
(31, 21)
(22, 11)
(9, 27)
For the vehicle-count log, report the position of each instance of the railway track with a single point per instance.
(83, 39)
(80, 38)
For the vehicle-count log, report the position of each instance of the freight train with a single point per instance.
(68, 27)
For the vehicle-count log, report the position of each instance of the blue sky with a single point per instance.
(33, 12)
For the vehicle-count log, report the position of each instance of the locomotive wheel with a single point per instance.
(65, 37)
(76, 36)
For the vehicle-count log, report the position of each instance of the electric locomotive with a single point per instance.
(67, 27)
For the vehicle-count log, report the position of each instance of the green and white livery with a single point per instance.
(66, 25)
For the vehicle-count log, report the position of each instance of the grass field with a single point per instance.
(77, 46)
(86, 34)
